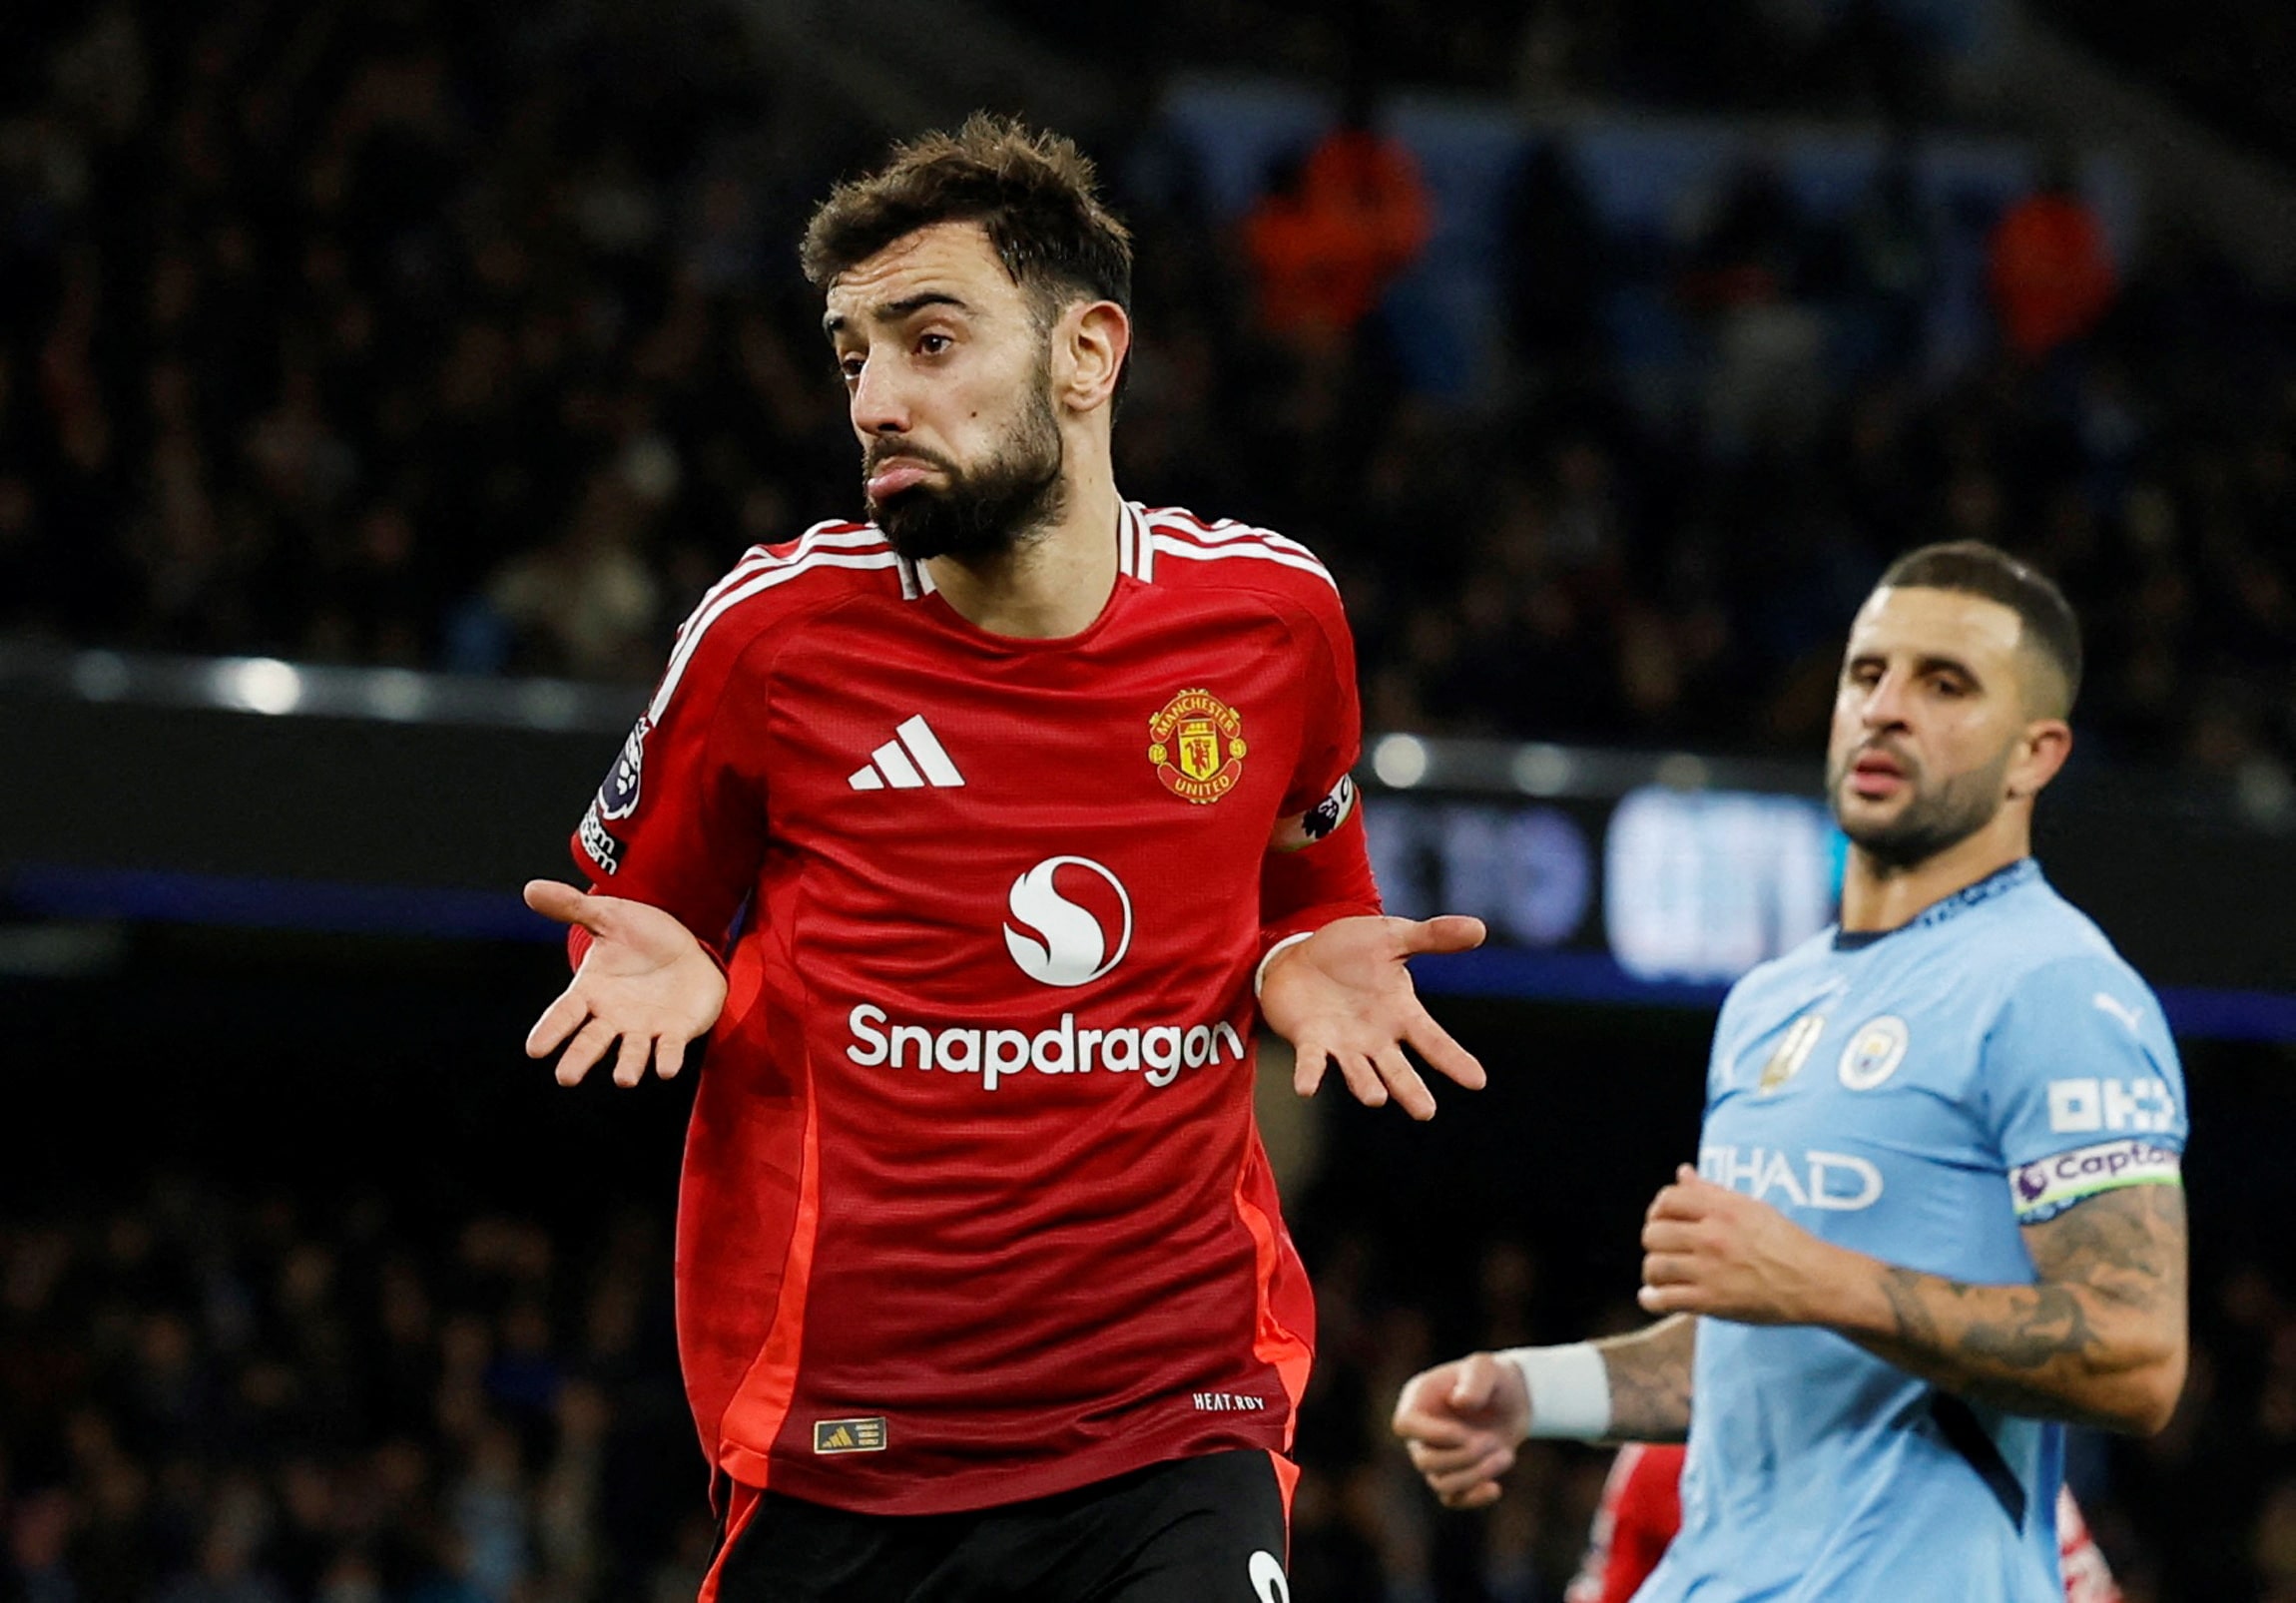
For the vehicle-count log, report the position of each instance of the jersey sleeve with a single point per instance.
(1319, 864)
(2081, 1086)
(680, 821)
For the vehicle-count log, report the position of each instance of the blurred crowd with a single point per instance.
(393, 335)
(209, 1399)
(1837, 56)
(2230, 63)
(209, 1396)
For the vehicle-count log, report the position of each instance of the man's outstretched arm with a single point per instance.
(1461, 1422)
(2097, 1338)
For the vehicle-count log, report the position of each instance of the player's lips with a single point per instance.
(1876, 775)
(893, 475)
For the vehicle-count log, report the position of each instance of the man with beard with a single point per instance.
(1937, 1212)
(1037, 799)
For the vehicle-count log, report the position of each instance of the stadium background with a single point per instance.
(378, 384)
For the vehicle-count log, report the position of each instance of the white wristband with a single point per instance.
(1569, 1389)
(1260, 975)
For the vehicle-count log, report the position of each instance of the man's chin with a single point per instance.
(1900, 844)
(1881, 831)
(1861, 816)
(908, 523)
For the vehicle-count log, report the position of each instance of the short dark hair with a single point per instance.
(1032, 189)
(1973, 568)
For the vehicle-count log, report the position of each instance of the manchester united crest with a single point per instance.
(1197, 745)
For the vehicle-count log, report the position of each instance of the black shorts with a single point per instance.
(1194, 1530)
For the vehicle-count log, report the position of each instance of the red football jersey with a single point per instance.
(1641, 1509)
(973, 1206)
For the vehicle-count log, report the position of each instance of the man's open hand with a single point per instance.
(1343, 996)
(645, 981)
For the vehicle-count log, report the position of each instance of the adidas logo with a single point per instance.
(911, 760)
(850, 1436)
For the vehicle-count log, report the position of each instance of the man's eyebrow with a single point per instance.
(1938, 662)
(1926, 663)
(833, 325)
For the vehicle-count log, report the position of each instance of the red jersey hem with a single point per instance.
(967, 1493)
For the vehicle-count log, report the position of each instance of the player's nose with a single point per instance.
(879, 404)
(1887, 702)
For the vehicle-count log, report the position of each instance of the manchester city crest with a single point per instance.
(1876, 1049)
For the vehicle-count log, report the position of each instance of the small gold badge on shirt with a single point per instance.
(1197, 745)
(1792, 1053)
(850, 1436)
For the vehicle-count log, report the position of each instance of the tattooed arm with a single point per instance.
(2097, 1340)
(1650, 1381)
(2098, 1337)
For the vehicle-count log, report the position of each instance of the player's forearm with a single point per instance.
(2087, 1355)
(1302, 889)
(1649, 1374)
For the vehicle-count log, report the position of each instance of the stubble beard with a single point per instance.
(1936, 820)
(984, 511)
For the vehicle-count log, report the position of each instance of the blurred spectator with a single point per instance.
(1749, 277)
(2049, 267)
(1333, 233)
(1893, 268)
(1556, 262)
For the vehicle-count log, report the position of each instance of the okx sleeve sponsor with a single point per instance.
(2085, 1089)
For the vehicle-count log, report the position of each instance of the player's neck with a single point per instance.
(1056, 582)
(1878, 896)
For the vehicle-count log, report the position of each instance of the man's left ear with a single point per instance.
(1098, 338)
(2048, 743)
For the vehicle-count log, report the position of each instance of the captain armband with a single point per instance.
(1569, 1389)
(2049, 1185)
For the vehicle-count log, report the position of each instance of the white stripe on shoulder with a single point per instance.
(1193, 552)
(1171, 520)
(754, 582)
(832, 535)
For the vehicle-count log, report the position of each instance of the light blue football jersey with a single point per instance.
(1917, 1095)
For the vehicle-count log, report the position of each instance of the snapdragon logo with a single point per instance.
(1071, 924)
(1061, 941)
(1157, 1052)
